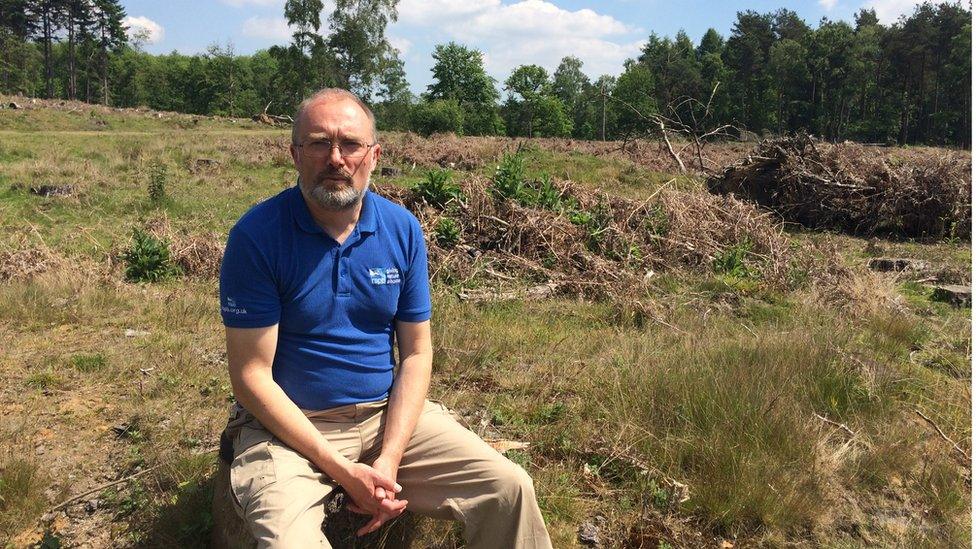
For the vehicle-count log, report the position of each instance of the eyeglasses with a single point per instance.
(320, 148)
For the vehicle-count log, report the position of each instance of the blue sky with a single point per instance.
(508, 32)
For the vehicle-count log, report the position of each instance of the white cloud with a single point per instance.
(510, 33)
(827, 4)
(889, 10)
(534, 19)
(271, 28)
(258, 3)
(598, 56)
(526, 32)
(431, 12)
(145, 27)
(401, 44)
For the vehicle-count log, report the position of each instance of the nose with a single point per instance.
(335, 158)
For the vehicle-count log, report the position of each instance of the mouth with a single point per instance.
(333, 179)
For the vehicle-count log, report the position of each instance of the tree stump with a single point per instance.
(953, 294)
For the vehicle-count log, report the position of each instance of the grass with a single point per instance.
(719, 388)
(22, 485)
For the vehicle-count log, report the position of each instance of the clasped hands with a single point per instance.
(373, 491)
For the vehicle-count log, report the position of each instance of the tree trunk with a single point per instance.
(603, 126)
(72, 78)
(47, 37)
(921, 131)
(104, 77)
(903, 131)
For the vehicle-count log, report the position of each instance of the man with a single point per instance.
(316, 285)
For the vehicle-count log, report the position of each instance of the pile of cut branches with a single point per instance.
(593, 245)
(845, 187)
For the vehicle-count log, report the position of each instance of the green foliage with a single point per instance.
(44, 379)
(532, 109)
(546, 195)
(631, 94)
(447, 232)
(459, 74)
(438, 189)
(49, 541)
(148, 258)
(509, 178)
(88, 362)
(357, 40)
(22, 64)
(460, 77)
(595, 224)
(657, 221)
(732, 260)
(157, 183)
(437, 116)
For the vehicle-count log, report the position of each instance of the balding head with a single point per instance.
(324, 95)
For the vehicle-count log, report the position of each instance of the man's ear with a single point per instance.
(294, 154)
(377, 153)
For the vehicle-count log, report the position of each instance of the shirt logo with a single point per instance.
(379, 276)
(231, 307)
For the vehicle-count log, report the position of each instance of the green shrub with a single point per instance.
(438, 189)
(157, 183)
(440, 116)
(580, 217)
(657, 221)
(447, 233)
(148, 259)
(546, 195)
(509, 179)
(732, 261)
(595, 224)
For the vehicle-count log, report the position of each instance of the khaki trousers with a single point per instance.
(447, 472)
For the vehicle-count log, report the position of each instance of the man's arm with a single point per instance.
(409, 388)
(250, 354)
(406, 402)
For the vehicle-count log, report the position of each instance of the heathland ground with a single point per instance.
(755, 386)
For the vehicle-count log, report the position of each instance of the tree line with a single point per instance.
(908, 82)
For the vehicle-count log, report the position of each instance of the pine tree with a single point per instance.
(110, 34)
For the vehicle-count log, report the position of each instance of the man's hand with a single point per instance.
(373, 492)
(387, 466)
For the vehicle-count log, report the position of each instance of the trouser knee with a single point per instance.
(513, 486)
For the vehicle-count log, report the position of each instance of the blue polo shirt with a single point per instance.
(334, 304)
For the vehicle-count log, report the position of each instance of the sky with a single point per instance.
(509, 33)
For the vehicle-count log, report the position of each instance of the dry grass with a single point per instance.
(611, 253)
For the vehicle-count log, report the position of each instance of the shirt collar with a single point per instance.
(305, 221)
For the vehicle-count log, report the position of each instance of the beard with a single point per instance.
(342, 198)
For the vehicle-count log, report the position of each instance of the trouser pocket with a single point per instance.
(250, 472)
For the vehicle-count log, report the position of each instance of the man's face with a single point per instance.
(327, 177)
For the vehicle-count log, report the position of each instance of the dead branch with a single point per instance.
(101, 487)
(960, 451)
(845, 428)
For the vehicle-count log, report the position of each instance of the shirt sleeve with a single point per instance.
(248, 289)
(414, 304)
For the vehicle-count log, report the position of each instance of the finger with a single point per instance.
(370, 526)
(393, 505)
(380, 493)
(357, 509)
(386, 482)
